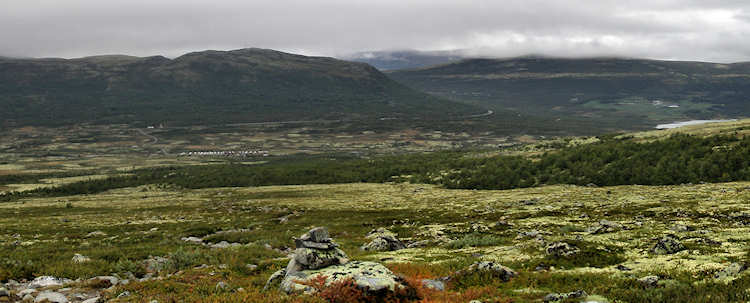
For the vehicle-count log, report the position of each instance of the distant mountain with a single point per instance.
(208, 87)
(632, 92)
(391, 60)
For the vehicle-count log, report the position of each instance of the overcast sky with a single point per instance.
(708, 30)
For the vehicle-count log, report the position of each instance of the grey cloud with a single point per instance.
(688, 30)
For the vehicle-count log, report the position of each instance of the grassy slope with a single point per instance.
(610, 91)
(52, 232)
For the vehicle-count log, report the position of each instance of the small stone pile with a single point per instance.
(315, 250)
(316, 255)
(383, 240)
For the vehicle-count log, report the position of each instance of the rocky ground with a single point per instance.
(685, 243)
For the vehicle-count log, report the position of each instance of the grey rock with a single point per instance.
(730, 272)
(318, 234)
(92, 300)
(668, 244)
(309, 258)
(45, 281)
(275, 279)
(25, 292)
(370, 276)
(310, 261)
(433, 284)
(221, 286)
(561, 249)
(51, 296)
(554, 297)
(156, 264)
(316, 245)
(382, 240)
(194, 240)
(79, 258)
(649, 281)
(124, 294)
(251, 266)
(225, 244)
(27, 298)
(529, 234)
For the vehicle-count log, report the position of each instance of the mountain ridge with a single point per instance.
(245, 85)
(639, 92)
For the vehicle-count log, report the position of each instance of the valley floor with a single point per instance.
(687, 236)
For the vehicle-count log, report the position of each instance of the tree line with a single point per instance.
(674, 160)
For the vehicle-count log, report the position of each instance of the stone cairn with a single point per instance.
(314, 250)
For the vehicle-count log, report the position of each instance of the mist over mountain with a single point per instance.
(636, 91)
(405, 59)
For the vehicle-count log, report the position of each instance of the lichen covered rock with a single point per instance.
(649, 281)
(370, 276)
(667, 245)
(556, 297)
(383, 240)
(561, 249)
(730, 272)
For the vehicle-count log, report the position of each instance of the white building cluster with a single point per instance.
(227, 153)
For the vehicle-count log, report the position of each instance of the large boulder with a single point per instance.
(383, 240)
(368, 276)
(667, 245)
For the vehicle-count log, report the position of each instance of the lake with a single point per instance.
(691, 122)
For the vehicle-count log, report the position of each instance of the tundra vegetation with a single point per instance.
(643, 217)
